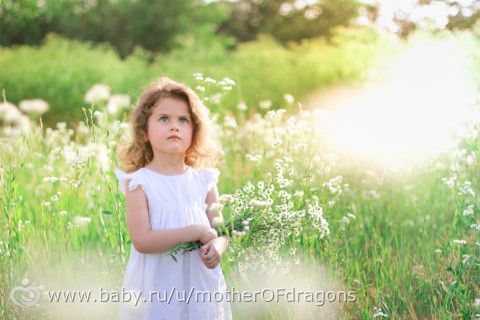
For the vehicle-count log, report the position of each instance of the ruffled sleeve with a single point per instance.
(135, 181)
(211, 177)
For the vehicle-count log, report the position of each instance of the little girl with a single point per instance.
(168, 188)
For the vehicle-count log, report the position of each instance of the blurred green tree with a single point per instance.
(287, 20)
(154, 25)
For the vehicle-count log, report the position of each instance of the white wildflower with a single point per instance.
(9, 112)
(260, 203)
(230, 122)
(476, 303)
(210, 80)
(254, 157)
(298, 193)
(289, 99)
(468, 211)
(216, 221)
(61, 126)
(216, 98)
(81, 220)
(118, 102)
(229, 81)
(215, 206)
(6, 107)
(242, 106)
(378, 313)
(226, 198)
(34, 106)
(99, 92)
(459, 242)
(470, 159)
(265, 104)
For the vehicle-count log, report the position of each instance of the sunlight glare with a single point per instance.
(426, 94)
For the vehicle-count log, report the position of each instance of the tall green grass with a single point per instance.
(406, 242)
(60, 71)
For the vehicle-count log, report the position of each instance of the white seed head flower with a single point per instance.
(265, 104)
(230, 122)
(242, 106)
(298, 193)
(24, 125)
(34, 106)
(476, 303)
(198, 76)
(216, 98)
(259, 203)
(99, 92)
(229, 81)
(459, 242)
(9, 113)
(253, 157)
(468, 211)
(210, 80)
(118, 102)
(289, 99)
(226, 198)
(218, 221)
(81, 221)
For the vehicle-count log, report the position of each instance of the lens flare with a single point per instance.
(425, 95)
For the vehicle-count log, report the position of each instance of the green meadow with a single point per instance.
(405, 241)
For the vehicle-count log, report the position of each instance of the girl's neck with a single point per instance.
(170, 164)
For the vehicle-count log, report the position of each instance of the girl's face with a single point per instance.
(170, 126)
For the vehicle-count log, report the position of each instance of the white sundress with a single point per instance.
(173, 202)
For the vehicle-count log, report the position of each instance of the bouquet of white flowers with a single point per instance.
(239, 226)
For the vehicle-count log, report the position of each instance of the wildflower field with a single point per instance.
(405, 239)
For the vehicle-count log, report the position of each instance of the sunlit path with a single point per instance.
(408, 113)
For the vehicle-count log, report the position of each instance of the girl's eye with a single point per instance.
(184, 120)
(163, 119)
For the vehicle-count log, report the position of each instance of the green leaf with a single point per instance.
(107, 212)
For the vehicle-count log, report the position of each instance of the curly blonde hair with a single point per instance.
(205, 149)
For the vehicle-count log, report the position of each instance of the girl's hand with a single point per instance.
(204, 233)
(210, 255)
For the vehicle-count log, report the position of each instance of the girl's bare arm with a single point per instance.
(146, 240)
